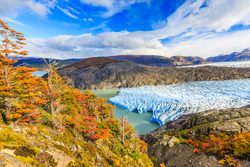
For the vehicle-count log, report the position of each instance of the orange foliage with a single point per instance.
(89, 116)
(195, 150)
(20, 92)
(143, 146)
(229, 147)
(162, 165)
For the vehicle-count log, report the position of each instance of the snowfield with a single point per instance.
(233, 64)
(169, 102)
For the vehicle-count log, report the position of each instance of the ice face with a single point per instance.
(169, 102)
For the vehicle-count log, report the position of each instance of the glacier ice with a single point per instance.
(233, 64)
(169, 102)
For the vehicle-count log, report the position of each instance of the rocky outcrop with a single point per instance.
(228, 120)
(162, 149)
(107, 73)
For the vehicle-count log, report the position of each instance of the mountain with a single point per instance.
(40, 62)
(235, 56)
(211, 138)
(147, 60)
(103, 72)
(154, 60)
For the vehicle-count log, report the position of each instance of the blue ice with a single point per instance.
(169, 102)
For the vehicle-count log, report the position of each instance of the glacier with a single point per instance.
(233, 64)
(169, 102)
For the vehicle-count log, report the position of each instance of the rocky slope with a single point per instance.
(235, 56)
(166, 144)
(107, 73)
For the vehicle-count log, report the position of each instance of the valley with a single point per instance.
(124, 83)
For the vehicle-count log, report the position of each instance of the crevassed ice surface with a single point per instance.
(169, 102)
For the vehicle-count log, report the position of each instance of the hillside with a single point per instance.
(235, 56)
(160, 61)
(212, 138)
(115, 74)
(52, 124)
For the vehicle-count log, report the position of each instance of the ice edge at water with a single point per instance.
(169, 102)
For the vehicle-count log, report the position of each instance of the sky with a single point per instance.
(87, 28)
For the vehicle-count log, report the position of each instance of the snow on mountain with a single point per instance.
(169, 102)
(244, 55)
(233, 64)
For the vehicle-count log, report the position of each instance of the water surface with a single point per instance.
(141, 122)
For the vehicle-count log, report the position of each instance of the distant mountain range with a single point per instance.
(235, 56)
(148, 60)
(40, 62)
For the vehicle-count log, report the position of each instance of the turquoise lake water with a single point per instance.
(141, 122)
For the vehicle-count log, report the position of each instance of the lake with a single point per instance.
(141, 122)
(39, 73)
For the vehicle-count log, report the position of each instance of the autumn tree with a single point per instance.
(90, 116)
(19, 94)
(11, 45)
(55, 89)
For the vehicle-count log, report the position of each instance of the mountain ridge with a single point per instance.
(128, 74)
(235, 56)
(148, 60)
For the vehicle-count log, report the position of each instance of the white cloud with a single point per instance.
(218, 16)
(102, 3)
(85, 45)
(212, 45)
(14, 21)
(194, 31)
(88, 19)
(113, 6)
(67, 12)
(13, 7)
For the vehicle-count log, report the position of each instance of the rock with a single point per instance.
(169, 141)
(228, 121)
(8, 160)
(182, 156)
(60, 157)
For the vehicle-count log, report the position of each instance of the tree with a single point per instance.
(28, 95)
(20, 92)
(55, 89)
(11, 45)
(126, 129)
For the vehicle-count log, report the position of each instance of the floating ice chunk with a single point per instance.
(169, 102)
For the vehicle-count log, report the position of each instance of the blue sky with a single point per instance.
(85, 28)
